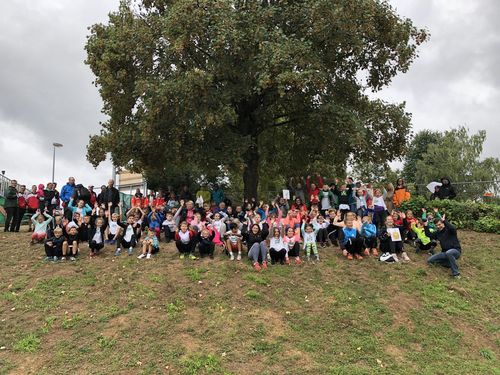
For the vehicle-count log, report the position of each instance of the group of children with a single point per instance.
(278, 233)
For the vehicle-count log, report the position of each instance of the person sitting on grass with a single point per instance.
(129, 239)
(309, 233)
(278, 249)
(40, 226)
(233, 241)
(70, 246)
(185, 241)
(369, 234)
(150, 245)
(350, 240)
(257, 248)
(206, 243)
(422, 243)
(54, 245)
(96, 237)
(446, 234)
(391, 240)
(292, 240)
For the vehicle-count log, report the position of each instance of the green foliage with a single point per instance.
(202, 364)
(28, 344)
(455, 154)
(480, 217)
(105, 342)
(249, 88)
(416, 151)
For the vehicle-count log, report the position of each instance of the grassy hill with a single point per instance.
(165, 316)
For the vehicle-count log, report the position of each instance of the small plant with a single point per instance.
(105, 342)
(202, 364)
(28, 344)
(487, 354)
(253, 294)
(174, 309)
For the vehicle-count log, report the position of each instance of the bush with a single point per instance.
(480, 217)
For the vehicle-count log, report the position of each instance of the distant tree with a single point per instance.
(416, 150)
(249, 85)
(457, 155)
(374, 172)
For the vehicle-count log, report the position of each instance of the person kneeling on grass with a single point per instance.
(40, 230)
(185, 241)
(150, 244)
(446, 234)
(257, 248)
(54, 245)
(70, 247)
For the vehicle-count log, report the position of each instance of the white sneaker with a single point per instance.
(405, 257)
(238, 257)
(396, 259)
(72, 259)
(148, 256)
(231, 256)
(141, 256)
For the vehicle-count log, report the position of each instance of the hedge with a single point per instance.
(480, 217)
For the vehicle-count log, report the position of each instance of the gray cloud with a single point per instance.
(46, 93)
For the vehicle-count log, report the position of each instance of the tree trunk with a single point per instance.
(251, 171)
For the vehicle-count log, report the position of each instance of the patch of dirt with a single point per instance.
(401, 305)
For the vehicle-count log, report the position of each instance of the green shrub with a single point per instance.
(473, 215)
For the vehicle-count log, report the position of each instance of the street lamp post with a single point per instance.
(55, 144)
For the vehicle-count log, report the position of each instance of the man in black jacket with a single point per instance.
(446, 190)
(111, 195)
(446, 234)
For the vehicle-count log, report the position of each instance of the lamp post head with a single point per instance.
(55, 144)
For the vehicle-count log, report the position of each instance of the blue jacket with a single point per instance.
(217, 196)
(368, 230)
(67, 192)
(348, 234)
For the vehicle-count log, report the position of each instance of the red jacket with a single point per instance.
(315, 192)
(192, 234)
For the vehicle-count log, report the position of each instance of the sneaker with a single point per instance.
(231, 256)
(317, 257)
(238, 257)
(308, 258)
(130, 250)
(358, 257)
(367, 252)
(72, 259)
(148, 256)
(344, 253)
(375, 252)
(287, 260)
(54, 259)
(298, 261)
(349, 257)
(192, 257)
(118, 252)
(264, 265)
(141, 256)
(456, 276)
(63, 258)
(256, 266)
(181, 256)
(405, 257)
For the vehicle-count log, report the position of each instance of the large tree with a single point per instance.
(249, 87)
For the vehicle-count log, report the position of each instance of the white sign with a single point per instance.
(286, 194)
(395, 234)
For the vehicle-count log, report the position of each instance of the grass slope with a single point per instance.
(165, 316)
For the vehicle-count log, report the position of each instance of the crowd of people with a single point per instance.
(361, 220)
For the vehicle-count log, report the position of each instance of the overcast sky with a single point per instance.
(46, 91)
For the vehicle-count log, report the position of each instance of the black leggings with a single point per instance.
(370, 242)
(295, 250)
(11, 219)
(354, 245)
(185, 247)
(322, 235)
(429, 246)
(206, 248)
(277, 255)
(95, 247)
(52, 251)
(393, 247)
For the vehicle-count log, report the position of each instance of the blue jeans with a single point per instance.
(447, 259)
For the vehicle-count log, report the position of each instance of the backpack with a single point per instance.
(387, 258)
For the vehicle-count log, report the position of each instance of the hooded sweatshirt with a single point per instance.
(446, 191)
